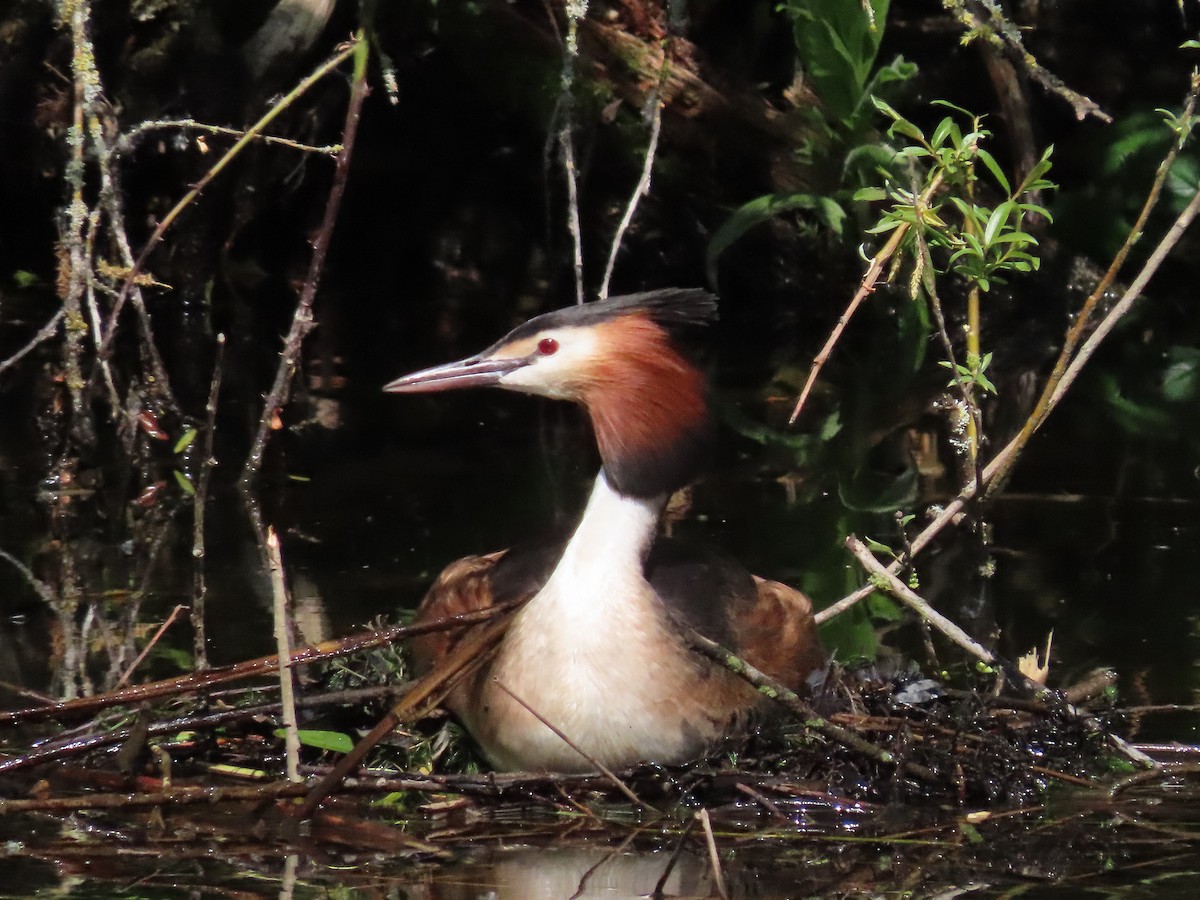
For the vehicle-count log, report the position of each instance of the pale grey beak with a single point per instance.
(470, 372)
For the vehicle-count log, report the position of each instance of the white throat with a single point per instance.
(608, 548)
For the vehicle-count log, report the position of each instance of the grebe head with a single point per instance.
(619, 359)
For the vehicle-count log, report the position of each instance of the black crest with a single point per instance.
(671, 308)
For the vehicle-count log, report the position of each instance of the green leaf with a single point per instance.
(321, 740)
(185, 441)
(185, 483)
(869, 195)
(1181, 380)
(992, 166)
(996, 221)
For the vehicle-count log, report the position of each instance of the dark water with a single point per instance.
(377, 513)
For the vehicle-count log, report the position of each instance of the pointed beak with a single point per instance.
(471, 372)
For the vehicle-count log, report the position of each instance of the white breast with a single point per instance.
(594, 654)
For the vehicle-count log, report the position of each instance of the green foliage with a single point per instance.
(972, 374)
(333, 741)
(837, 44)
(985, 244)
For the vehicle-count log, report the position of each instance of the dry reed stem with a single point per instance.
(714, 858)
(283, 627)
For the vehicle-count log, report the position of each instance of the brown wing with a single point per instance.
(777, 634)
(768, 624)
(463, 587)
(474, 583)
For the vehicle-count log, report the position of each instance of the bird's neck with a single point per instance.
(605, 556)
(649, 410)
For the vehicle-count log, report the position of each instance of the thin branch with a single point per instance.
(423, 696)
(303, 321)
(162, 629)
(576, 11)
(287, 697)
(913, 601)
(1083, 318)
(290, 98)
(254, 668)
(1005, 37)
(199, 504)
(131, 137)
(867, 286)
(780, 693)
(643, 185)
(47, 331)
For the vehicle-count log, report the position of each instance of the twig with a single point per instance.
(952, 631)
(591, 760)
(1082, 320)
(425, 694)
(302, 320)
(43, 590)
(785, 696)
(162, 629)
(1134, 291)
(576, 10)
(287, 698)
(866, 287)
(130, 138)
(913, 601)
(47, 331)
(199, 503)
(643, 185)
(139, 263)
(1003, 35)
(255, 668)
(713, 857)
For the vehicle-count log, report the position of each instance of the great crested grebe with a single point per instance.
(596, 650)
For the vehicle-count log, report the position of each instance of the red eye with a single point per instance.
(547, 346)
